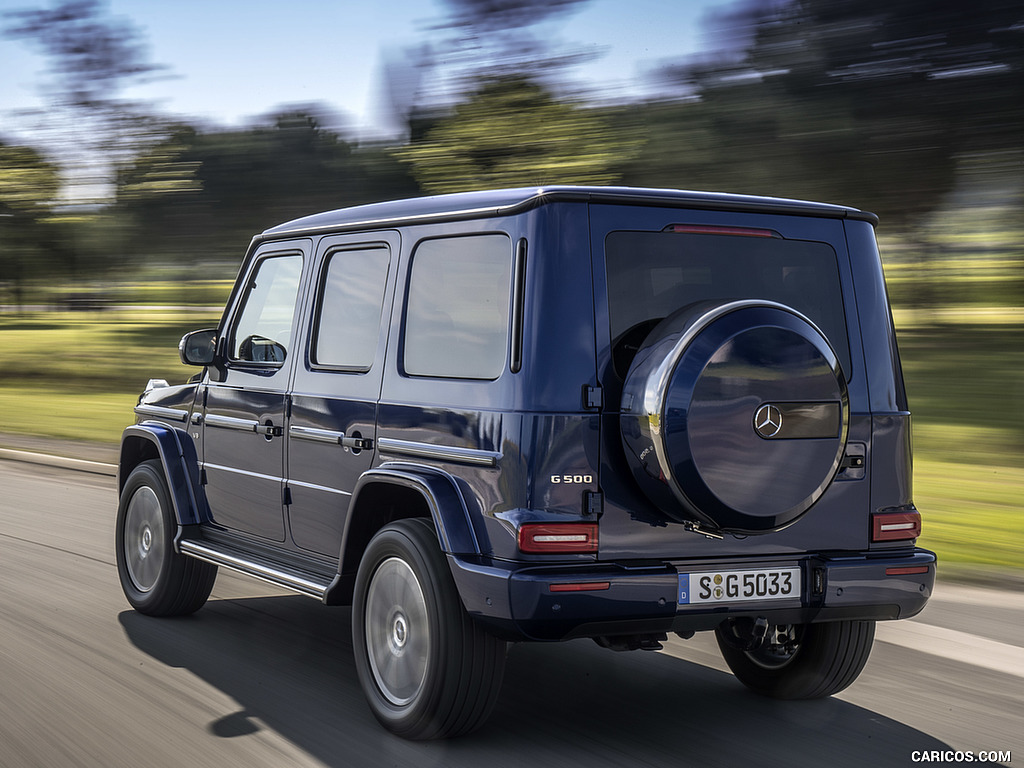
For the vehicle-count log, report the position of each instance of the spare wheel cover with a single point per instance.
(735, 415)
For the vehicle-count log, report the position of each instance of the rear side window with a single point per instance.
(653, 274)
(350, 307)
(457, 312)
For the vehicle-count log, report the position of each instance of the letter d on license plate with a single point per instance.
(738, 586)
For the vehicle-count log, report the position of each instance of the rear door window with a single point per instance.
(653, 274)
(352, 300)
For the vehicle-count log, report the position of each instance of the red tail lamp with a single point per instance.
(558, 538)
(895, 526)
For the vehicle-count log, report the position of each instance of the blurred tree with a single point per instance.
(28, 186)
(506, 115)
(92, 58)
(850, 100)
(512, 132)
(202, 194)
(495, 38)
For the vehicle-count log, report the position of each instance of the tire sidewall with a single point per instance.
(148, 474)
(830, 657)
(401, 540)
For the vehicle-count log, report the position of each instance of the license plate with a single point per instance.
(739, 586)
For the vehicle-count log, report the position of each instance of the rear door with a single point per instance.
(331, 429)
(650, 263)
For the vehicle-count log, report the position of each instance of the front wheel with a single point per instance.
(427, 669)
(798, 661)
(156, 580)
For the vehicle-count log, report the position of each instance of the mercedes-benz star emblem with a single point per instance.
(768, 420)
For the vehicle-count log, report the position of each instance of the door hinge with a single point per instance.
(287, 496)
(593, 398)
(593, 503)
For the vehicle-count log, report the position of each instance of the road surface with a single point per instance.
(260, 677)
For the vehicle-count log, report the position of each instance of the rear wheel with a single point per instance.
(427, 669)
(156, 580)
(798, 661)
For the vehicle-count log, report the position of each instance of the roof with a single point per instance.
(503, 202)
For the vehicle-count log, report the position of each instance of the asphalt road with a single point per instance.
(259, 677)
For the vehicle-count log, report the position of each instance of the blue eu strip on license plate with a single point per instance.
(739, 586)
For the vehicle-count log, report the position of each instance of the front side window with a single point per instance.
(351, 303)
(457, 313)
(263, 331)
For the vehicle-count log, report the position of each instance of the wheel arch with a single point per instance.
(177, 455)
(395, 492)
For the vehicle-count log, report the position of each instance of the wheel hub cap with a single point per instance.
(143, 539)
(397, 631)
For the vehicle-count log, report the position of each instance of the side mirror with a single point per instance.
(198, 347)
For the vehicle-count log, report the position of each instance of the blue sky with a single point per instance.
(237, 59)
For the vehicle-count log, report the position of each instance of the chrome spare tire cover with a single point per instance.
(735, 415)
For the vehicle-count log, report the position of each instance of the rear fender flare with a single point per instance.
(376, 502)
(441, 494)
(177, 454)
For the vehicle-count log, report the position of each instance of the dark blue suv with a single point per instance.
(543, 414)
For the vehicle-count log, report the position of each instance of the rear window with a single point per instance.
(653, 274)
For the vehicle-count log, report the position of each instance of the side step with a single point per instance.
(289, 577)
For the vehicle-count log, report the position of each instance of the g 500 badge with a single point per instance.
(572, 479)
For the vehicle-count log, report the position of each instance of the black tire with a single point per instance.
(819, 659)
(156, 580)
(427, 669)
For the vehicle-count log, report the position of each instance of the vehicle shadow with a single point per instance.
(287, 662)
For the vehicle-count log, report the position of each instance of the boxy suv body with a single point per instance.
(544, 414)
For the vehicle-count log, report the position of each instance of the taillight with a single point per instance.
(558, 538)
(895, 526)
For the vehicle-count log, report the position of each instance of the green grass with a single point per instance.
(966, 392)
(78, 374)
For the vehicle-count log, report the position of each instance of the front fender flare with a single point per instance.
(177, 453)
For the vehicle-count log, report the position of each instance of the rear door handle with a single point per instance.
(357, 443)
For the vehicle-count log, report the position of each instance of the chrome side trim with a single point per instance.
(264, 571)
(472, 456)
(315, 487)
(316, 435)
(229, 422)
(243, 472)
(160, 412)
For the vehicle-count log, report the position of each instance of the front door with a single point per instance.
(244, 416)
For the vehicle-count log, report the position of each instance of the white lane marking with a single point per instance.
(1006, 599)
(954, 645)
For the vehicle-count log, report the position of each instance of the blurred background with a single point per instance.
(143, 144)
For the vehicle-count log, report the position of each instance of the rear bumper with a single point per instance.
(561, 602)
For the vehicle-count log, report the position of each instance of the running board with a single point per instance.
(294, 579)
